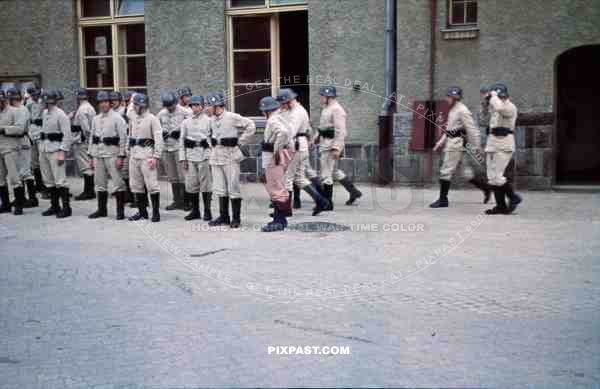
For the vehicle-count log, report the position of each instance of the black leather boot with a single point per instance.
(65, 198)
(442, 201)
(355, 194)
(482, 185)
(178, 193)
(19, 200)
(142, 213)
(514, 199)
(223, 213)
(155, 199)
(120, 199)
(328, 194)
(236, 208)
(297, 201)
(279, 222)
(187, 200)
(206, 199)
(5, 198)
(195, 202)
(54, 207)
(39, 182)
(32, 200)
(88, 189)
(101, 211)
(321, 203)
(500, 208)
(316, 181)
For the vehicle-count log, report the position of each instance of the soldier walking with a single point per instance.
(145, 149)
(107, 145)
(499, 149)
(228, 130)
(54, 145)
(332, 132)
(461, 136)
(81, 124)
(194, 155)
(171, 117)
(12, 129)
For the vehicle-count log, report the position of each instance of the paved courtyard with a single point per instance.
(419, 297)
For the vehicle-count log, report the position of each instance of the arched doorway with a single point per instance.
(578, 116)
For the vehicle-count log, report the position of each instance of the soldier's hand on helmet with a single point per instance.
(60, 157)
(336, 153)
(152, 163)
(120, 163)
(184, 165)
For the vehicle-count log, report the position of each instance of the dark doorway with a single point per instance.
(578, 122)
(293, 61)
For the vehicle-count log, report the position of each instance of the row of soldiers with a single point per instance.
(197, 140)
(462, 146)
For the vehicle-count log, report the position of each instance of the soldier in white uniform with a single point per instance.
(185, 94)
(36, 107)
(499, 149)
(228, 131)
(194, 154)
(11, 130)
(145, 149)
(115, 102)
(332, 132)
(81, 123)
(55, 144)
(24, 153)
(171, 117)
(107, 145)
(461, 138)
(300, 131)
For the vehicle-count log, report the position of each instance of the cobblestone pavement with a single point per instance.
(441, 298)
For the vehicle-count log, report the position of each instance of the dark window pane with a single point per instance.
(133, 71)
(251, 33)
(132, 39)
(97, 40)
(252, 67)
(246, 101)
(472, 12)
(458, 12)
(247, 3)
(99, 73)
(130, 7)
(94, 8)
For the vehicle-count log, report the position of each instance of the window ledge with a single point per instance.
(460, 33)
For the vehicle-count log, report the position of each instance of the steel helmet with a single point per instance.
(215, 99)
(126, 96)
(455, 92)
(13, 93)
(81, 93)
(328, 91)
(168, 98)
(501, 89)
(33, 91)
(102, 96)
(185, 91)
(49, 96)
(268, 104)
(59, 94)
(286, 95)
(196, 100)
(115, 96)
(140, 100)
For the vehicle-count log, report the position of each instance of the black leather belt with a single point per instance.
(190, 144)
(270, 147)
(52, 137)
(142, 142)
(457, 132)
(107, 140)
(501, 131)
(38, 122)
(328, 132)
(75, 128)
(228, 142)
(302, 134)
(171, 134)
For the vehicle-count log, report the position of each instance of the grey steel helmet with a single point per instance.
(455, 92)
(49, 96)
(501, 89)
(286, 95)
(168, 98)
(13, 93)
(196, 100)
(328, 91)
(185, 91)
(268, 104)
(115, 96)
(102, 96)
(484, 89)
(82, 93)
(140, 100)
(126, 96)
(59, 95)
(215, 99)
(33, 91)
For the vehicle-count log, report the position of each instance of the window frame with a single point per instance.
(114, 22)
(273, 13)
(450, 7)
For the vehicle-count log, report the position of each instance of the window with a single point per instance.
(462, 12)
(262, 3)
(112, 45)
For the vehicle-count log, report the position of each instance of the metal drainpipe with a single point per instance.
(386, 117)
(427, 173)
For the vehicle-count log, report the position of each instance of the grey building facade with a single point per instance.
(541, 49)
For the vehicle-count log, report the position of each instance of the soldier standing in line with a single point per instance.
(194, 154)
(81, 123)
(461, 136)
(24, 153)
(145, 149)
(499, 149)
(54, 145)
(107, 145)
(115, 102)
(36, 107)
(300, 131)
(185, 94)
(332, 132)
(226, 156)
(171, 117)
(11, 130)
(277, 154)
